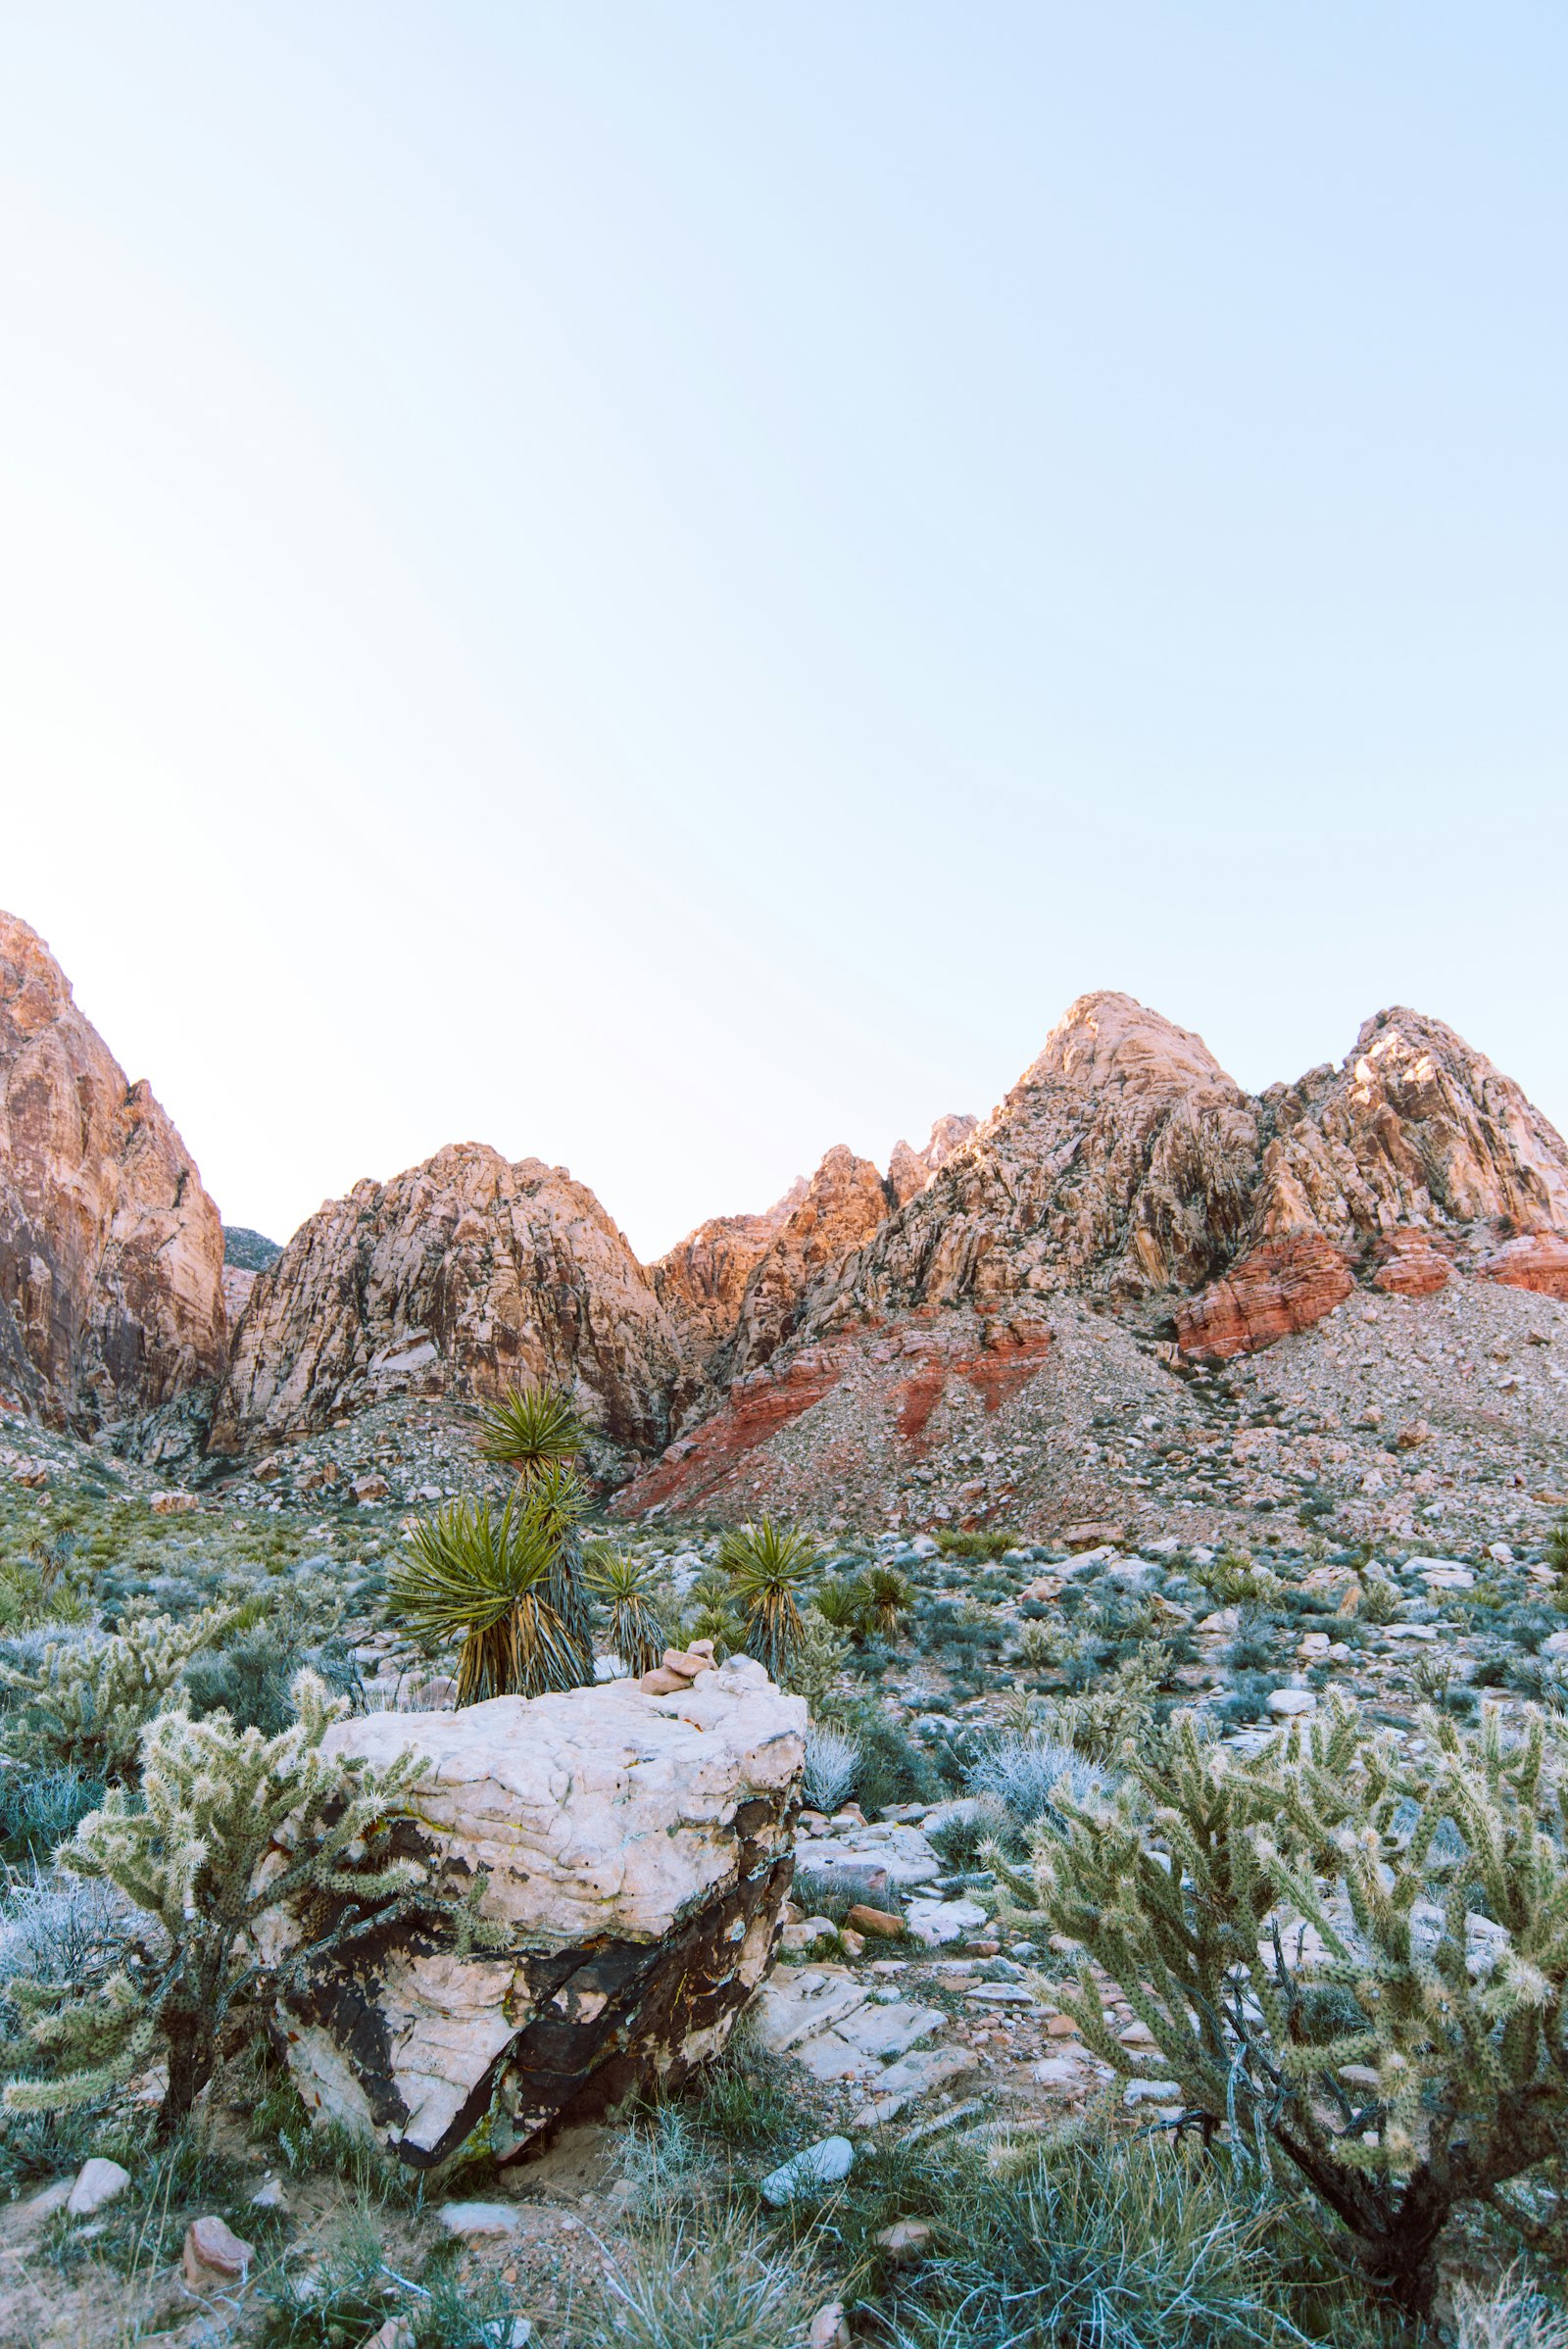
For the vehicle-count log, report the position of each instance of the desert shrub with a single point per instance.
(1099, 1721)
(1234, 1577)
(187, 1852)
(1030, 1776)
(1331, 1906)
(961, 1839)
(893, 1768)
(1094, 2246)
(1510, 2314)
(1252, 1648)
(40, 1808)
(345, 2295)
(834, 1891)
(250, 1675)
(816, 1668)
(1554, 1550)
(1380, 1602)
(708, 2281)
(84, 1706)
(975, 1544)
(832, 1767)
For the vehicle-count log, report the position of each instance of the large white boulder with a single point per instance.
(638, 1850)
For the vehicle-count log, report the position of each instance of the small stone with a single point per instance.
(823, 2164)
(270, 2197)
(396, 2333)
(904, 2241)
(1289, 1701)
(98, 2181)
(213, 2255)
(370, 1487)
(881, 1922)
(472, 2220)
(829, 2327)
(173, 1504)
(851, 1942)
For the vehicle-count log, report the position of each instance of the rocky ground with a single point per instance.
(1366, 1507)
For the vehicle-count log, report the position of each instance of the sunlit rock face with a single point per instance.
(461, 1278)
(110, 1252)
(637, 1850)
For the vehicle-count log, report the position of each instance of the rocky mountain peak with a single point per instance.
(1109, 1041)
(461, 1277)
(110, 1252)
(909, 1171)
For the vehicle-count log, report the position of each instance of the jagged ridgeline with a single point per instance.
(940, 1338)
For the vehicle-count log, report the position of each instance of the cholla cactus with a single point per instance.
(1356, 1961)
(87, 1702)
(229, 1824)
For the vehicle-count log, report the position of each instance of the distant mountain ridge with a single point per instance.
(1125, 1171)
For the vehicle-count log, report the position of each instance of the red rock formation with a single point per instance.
(1536, 1260)
(1283, 1286)
(111, 1252)
(1410, 1265)
(461, 1277)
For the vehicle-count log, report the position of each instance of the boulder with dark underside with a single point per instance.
(637, 1850)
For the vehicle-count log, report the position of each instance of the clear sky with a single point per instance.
(664, 585)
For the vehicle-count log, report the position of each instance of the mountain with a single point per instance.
(459, 1277)
(110, 1252)
(1062, 1312)
(1127, 1197)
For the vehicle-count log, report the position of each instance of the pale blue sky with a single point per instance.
(664, 585)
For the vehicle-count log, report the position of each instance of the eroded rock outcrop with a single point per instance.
(1415, 1155)
(110, 1252)
(909, 1171)
(702, 1281)
(638, 1853)
(843, 1203)
(461, 1277)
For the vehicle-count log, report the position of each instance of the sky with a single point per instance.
(661, 586)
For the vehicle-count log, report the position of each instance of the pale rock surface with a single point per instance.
(909, 1171)
(638, 1854)
(111, 1252)
(97, 2182)
(461, 1277)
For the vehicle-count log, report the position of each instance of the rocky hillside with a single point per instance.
(1126, 1216)
(461, 1277)
(1071, 1311)
(111, 1252)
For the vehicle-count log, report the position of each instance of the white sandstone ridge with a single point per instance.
(638, 1849)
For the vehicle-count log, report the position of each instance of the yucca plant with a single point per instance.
(484, 1577)
(766, 1565)
(623, 1582)
(536, 1433)
(529, 1429)
(886, 1598)
(839, 1603)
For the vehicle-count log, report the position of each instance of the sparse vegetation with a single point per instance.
(767, 1567)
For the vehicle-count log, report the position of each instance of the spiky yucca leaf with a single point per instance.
(529, 1429)
(484, 1578)
(766, 1564)
(624, 1581)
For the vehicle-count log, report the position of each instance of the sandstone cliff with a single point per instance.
(701, 1282)
(111, 1252)
(459, 1278)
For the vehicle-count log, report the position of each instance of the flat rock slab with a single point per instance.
(936, 1923)
(886, 2031)
(809, 2172)
(638, 1853)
